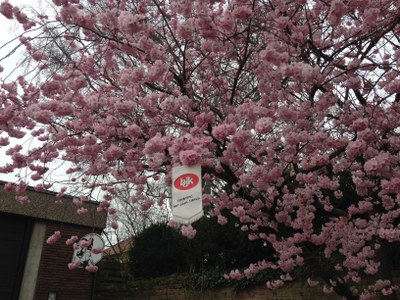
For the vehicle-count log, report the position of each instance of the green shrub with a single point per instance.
(160, 250)
(157, 251)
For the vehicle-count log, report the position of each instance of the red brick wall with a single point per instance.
(54, 275)
(294, 291)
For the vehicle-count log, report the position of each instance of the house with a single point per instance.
(30, 268)
(120, 249)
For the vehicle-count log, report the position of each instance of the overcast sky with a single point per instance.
(9, 29)
(8, 32)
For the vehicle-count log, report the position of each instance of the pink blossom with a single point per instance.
(238, 211)
(155, 144)
(389, 234)
(391, 186)
(114, 225)
(359, 124)
(130, 23)
(356, 148)
(236, 274)
(6, 9)
(9, 186)
(366, 295)
(189, 157)
(22, 18)
(173, 224)
(338, 9)
(184, 30)
(327, 289)
(146, 205)
(387, 291)
(61, 192)
(251, 270)
(371, 15)
(222, 220)
(58, 201)
(23, 199)
(288, 113)
(4, 141)
(377, 164)
(338, 194)
(380, 284)
(365, 206)
(60, 2)
(387, 202)
(91, 269)
(395, 142)
(97, 250)
(104, 204)
(84, 244)
(113, 152)
(264, 125)
(71, 240)
(272, 54)
(81, 211)
(372, 268)
(77, 201)
(320, 160)
(275, 284)
(223, 131)
(312, 282)
(133, 130)
(188, 231)
(54, 237)
(111, 211)
(242, 12)
(73, 265)
(36, 176)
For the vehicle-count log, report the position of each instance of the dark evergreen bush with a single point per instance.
(160, 250)
(223, 247)
(157, 251)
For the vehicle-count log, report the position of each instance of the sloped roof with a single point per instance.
(43, 205)
(119, 248)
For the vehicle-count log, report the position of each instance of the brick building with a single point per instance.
(30, 268)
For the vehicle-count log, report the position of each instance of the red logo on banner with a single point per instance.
(186, 181)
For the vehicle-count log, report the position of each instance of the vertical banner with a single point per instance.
(187, 203)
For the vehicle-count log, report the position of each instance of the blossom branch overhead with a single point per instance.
(290, 107)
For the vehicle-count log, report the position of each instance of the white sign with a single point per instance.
(89, 250)
(187, 203)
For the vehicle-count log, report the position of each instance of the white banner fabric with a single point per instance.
(187, 203)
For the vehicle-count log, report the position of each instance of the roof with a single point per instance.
(119, 248)
(43, 205)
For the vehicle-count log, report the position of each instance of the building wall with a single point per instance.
(54, 275)
(46, 266)
(294, 291)
(31, 268)
(15, 232)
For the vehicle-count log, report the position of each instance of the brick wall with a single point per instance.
(296, 291)
(54, 275)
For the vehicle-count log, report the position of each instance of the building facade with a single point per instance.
(30, 268)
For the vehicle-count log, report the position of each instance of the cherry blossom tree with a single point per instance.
(290, 106)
